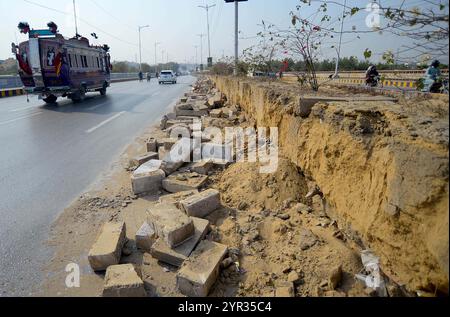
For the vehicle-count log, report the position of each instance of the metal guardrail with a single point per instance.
(11, 81)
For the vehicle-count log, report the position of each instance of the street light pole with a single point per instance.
(140, 46)
(207, 7)
(201, 48)
(236, 32)
(156, 60)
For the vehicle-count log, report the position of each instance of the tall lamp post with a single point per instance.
(236, 32)
(140, 46)
(207, 7)
(156, 60)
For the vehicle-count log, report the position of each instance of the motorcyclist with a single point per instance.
(141, 76)
(432, 81)
(372, 75)
(149, 77)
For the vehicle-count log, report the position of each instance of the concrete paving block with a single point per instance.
(145, 237)
(107, 249)
(201, 204)
(141, 159)
(123, 281)
(200, 271)
(162, 252)
(148, 177)
(177, 197)
(170, 224)
(202, 167)
(179, 182)
(152, 145)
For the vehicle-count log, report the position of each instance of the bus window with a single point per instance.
(76, 60)
(70, 60)
(98, 63)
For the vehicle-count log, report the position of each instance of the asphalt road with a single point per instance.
(50, 155)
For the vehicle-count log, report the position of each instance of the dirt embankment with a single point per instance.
(382, 167)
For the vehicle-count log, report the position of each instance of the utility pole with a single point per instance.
(156, 60)
(75, 17)
(201, 48)
(336, 72)
(207, 7)
(236, 32)
(140, 49)
(196, 55)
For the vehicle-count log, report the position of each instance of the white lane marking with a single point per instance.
(105, 122)
(21, 109)
(97, 106)
(21, 118)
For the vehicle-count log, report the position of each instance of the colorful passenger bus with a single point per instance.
(52, 66)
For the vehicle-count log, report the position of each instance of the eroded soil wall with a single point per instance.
(383, 168)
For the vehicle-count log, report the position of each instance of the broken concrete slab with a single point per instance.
(107, 249)
(148, 177)
(162, 252)
(141, 159)
(202, 167)
(177, 197)
(145, 237)
(200, 271)
(123, 281)
(170, 224)
(179, 182)
(152, 145)
(201, 204)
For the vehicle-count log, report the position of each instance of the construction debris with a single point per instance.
(123, 281)
(171, 224)
(199, 273)
(107, 249)
(202, 204)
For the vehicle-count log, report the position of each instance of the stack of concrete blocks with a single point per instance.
(105, 255)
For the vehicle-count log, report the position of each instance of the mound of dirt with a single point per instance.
(244, 187)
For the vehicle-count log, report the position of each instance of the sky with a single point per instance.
(176, 25)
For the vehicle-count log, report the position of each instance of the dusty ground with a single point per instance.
(279, 235)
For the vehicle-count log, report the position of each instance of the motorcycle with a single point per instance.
(373, 81)
(439, 86)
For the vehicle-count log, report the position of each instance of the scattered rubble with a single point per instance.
(218, 228)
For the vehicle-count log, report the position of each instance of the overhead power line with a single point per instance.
(84, 21)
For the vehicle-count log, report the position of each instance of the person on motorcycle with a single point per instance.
(372, 75)
(149, 77)
(432, 81)
(141, 76)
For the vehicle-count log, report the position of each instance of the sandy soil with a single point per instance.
(279, 235)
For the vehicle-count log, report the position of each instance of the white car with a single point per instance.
(167, 76)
